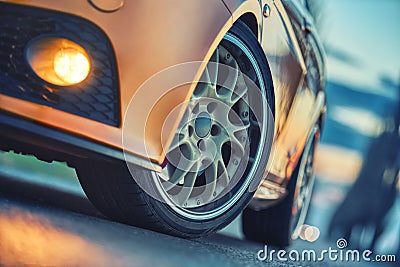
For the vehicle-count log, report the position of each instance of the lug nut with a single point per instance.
(245, 114)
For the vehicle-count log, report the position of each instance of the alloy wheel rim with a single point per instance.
(209, 129)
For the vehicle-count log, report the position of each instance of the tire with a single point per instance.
(277, 225)
(114, 188)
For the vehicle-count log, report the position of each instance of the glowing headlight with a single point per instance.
(58, 61)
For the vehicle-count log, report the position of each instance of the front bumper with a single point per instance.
(28, 137)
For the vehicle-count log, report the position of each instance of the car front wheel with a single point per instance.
(217, 157)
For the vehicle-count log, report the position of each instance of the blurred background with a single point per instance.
(357, 190)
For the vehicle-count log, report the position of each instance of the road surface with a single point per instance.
(47, 226)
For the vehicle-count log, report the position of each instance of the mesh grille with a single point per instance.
(96, 98)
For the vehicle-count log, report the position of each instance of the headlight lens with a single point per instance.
(58, 61)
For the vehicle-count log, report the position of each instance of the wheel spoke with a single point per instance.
(206, 87)
(212, 68)
(228, 86)
(178, 141)
(211, 175)
(234, 128)
(237, 136)
(223, 177)
(238, 146)
(240, 89)
(178, 175)
(188, 185)
(206, 75)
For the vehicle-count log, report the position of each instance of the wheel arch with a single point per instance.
(249, 12)
(251, 21)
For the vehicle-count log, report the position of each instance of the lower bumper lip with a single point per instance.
(26, 136)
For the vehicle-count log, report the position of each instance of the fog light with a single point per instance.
(58, 61)
(71, 66)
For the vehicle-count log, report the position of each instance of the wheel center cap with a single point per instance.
(202, 125)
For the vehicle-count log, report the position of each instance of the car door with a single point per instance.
(293, 97)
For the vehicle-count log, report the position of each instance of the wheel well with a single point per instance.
(251, 21)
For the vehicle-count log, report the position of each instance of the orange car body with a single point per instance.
(150, 36)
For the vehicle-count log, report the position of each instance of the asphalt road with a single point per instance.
(46, 226)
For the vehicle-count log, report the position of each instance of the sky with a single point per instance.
(362, 39)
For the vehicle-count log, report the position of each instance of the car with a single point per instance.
(177, 115)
